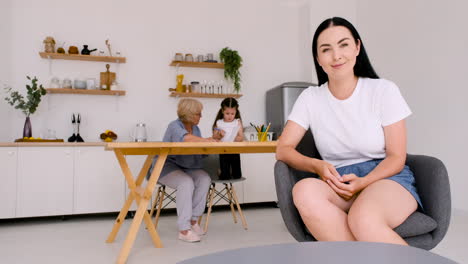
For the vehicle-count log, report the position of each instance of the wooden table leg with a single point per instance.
(132, 186)
(141, 211)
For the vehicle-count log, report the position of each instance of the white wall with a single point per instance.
(5, 58)
(149, 33)
(422, 46)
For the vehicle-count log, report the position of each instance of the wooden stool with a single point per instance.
(161, 201)
(227, 194)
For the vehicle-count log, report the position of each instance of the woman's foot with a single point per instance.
(197, 229)
(189, 236)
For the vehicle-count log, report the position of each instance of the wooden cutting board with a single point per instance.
(107, 78)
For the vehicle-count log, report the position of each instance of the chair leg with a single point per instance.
(155, 203)
(200, 219)
(210, 204)
(160, 200)
(231, 203)
(244, 222)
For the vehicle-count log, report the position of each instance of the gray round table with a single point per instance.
(323, 252)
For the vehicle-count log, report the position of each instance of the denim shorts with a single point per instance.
(405, 177)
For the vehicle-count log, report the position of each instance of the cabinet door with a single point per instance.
(258, 169)
(99, 182)
(45, 181)
(8, 159)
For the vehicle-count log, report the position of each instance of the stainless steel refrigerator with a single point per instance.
(279, 103)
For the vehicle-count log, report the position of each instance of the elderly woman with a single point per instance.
(184, 173)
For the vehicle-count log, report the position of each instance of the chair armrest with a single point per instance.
(284, 181)
(433, 187)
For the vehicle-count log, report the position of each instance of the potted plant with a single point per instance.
(26, 104)
(232, 63)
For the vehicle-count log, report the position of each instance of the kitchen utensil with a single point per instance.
(79, 84)
(90, 83)
(67, 83)
(73, 137)
(86, 51)
(178, 57)
(72, 50)
(78, 137)
(55, 82)
(139, 133)
(188, 57)
(107, 78)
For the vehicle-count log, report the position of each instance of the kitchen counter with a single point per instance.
(52, 144)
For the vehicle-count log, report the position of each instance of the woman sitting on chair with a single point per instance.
(184, 173)
(358, 123)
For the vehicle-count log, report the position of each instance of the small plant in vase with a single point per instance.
(26, 104)
(232, 63)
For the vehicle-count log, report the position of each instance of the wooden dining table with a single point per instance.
(142, 194)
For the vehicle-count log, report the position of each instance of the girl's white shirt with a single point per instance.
(230, 129)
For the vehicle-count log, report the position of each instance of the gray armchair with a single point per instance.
(422, 229)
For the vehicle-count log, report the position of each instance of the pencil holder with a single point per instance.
(262, 136)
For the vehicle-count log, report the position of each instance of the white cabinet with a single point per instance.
(45, 181)
(258, 169)
(8, 162)
(99, 185)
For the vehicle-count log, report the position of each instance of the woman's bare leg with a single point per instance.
(322, 210)
(381, 206)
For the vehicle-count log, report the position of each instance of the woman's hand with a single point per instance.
(326, 171)
(348, 185)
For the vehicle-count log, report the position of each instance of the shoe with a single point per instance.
(197, 229)
(189, 237)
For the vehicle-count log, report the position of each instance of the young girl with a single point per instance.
(228, 126)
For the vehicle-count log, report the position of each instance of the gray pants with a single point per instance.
(192, 187)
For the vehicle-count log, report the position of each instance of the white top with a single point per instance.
(230, 129)
(350, 131)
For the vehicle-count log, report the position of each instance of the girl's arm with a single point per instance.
(240, 133)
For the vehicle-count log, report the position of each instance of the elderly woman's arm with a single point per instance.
(192, 138)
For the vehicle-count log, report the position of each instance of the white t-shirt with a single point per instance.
(350, 131)
(230, 129)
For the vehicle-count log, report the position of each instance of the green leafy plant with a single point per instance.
(232, 63)
(29, 104)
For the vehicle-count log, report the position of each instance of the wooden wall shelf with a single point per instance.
(215, 65)
(60, 56)
(84, 91)
(204, 95)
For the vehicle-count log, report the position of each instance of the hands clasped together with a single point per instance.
(346, 186)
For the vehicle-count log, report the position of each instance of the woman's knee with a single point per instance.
(362, 223)
(186, 184)
(308, 194)
(203, 178)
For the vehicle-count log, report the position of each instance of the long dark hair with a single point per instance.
(227, 102)
(362, 68)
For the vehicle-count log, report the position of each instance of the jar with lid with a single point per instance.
(178, 57)
(188, 57)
